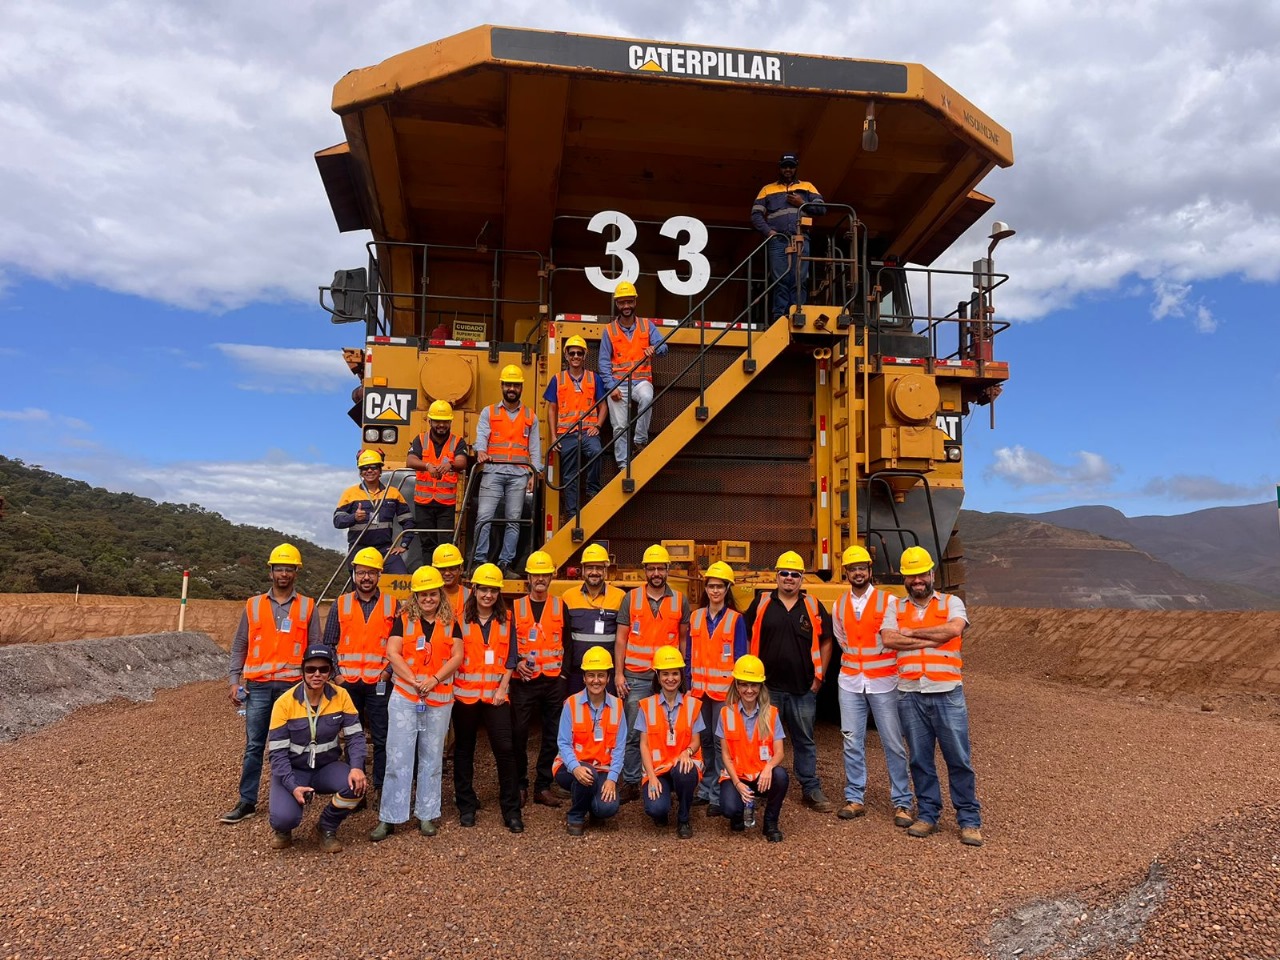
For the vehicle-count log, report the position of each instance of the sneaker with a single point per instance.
(971, 836)
(921, 828)
(902, 817)
(684, 830)
(852, 811)
(281, 840)
(242, 811)
(771, 832)
(428, 828)
(819, 802)
(575, 829)
(381, 831)
(329, 841)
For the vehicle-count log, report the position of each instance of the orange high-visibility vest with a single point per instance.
(628, 352)
(711, 654)
(426, 662)
(273, 655)
(862, 652)
(939, 664)
(508, 438)
(811, 607)
(664, 748)
(589, 750)
(457, 600)
(362, 644)
(543, 639)
(476, 679)
(745, 749)
(444, 488)
(649, 632)
(573, 399)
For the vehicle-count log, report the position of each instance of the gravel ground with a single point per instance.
(1082, 791)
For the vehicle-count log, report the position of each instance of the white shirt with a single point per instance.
(955, 608)
(859, 683)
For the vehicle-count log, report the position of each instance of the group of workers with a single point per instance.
(637, 695)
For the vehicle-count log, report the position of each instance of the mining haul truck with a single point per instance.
(511, 178)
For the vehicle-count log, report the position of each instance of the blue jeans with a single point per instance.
(495, 488)
(710, 786)
(731, 800)
(797, 712)
(683, 785)
(573, 449)
(787, 291)
(941, 719)
(259, 698)
(639, 686)
(853, 726)
(586, 800)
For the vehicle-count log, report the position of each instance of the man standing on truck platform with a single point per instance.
(776, 213)
(509, 447)
(791, 634)
(931, 700)
(369, 512)
(275, 631)
(627, 348)
(438, 456)
(577, 411)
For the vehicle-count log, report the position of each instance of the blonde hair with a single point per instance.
(732, 699)
(444, 609)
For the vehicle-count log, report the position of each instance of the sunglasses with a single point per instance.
(790, 574)
(575, 353)
(316, 669)
(367, 469)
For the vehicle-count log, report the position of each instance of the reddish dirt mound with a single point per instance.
(45, 617)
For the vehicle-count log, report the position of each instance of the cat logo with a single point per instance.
(383, 405)
(949, 423)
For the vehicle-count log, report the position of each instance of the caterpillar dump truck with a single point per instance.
(511, 178)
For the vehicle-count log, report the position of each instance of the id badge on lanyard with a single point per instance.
(286, 625)
(489, 658)
(766, 751)
(599, 626)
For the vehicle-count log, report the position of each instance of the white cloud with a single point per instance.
(1173, 299)
(1027, 468)
(288, 369)
(26, 415)
(1198, 487)
(160, 151)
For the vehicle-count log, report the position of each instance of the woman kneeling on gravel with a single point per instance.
(308, 724)
(750, 736)
(670, 725)
(424, 649)
(592, 739)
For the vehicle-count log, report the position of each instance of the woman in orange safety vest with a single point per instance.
(670, 722)
(424, 650)
(750, 735)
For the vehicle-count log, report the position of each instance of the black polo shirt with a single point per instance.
(786, 643)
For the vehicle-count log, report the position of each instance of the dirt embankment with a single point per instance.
(45, 617)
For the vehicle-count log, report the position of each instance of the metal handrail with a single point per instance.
(881, 476)
(355, 545)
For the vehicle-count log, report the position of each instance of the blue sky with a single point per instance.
(166, 230)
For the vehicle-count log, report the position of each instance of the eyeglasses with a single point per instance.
(790, 574)
(316, 669)
(575, 353)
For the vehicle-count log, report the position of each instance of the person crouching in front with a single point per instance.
(750, 735)
(670, 722)
(593, 740)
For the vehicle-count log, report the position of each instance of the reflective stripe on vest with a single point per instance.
(508, 438)
(628, 352)
(743, 747)
(589, 750)
(362, 644)
(573, 399)
(815, 622)
(662, 751)
(272, 655)
(426, 662)
(711, 665)
(939, 664)
(475, 679)
(444, 488)
(862, 651)
(649, 632)
(544, 639)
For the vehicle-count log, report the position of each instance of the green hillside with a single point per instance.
(58, 533)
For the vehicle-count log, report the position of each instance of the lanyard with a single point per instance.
(313, 717)
(671, 712)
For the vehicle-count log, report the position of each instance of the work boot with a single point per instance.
(662, 820)
(575, 829)
(329, 841)
(852, 811)
(902, 817)
(281, 839)
(684, 830)
(547, 799)
(737, 824)
(560, 791)
(428, 828)
(921, 828)
(819, 802)
(515, 824)
(714, 810)
(242, 811)
(628, 793)
(771, 831)
(700, 801)
(382, 831)
(971, 836)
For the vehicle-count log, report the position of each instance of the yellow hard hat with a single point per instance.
(749, 669)
(720, 571)
(915, 560)
(368, 557)
(540, 562)
(855, 554)
(440, 410)
(575, 341)
(625, 288)
(657, 554)
(426, 578)
(487, 575)
(369, 458)
(597, 658)
(511, 374)
(667, 658)
(446, 555)
(790, 561)
(285, 555)
(595, 554)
